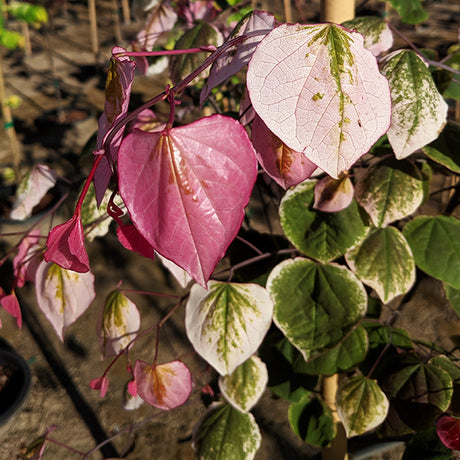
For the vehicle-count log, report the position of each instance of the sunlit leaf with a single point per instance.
(377, 34)
(315, 305)
(186, 189)
(444, 149)
(333, 195)
(389, 191)
(245, 385)
(226, 433)
(361, 405)
(384, 262)
(311, 419)
(335, 105)
(435, 244)
(31, 190)
(227, 322)
(320, 235)
(63, 295)
(418, 110)
(32, 14)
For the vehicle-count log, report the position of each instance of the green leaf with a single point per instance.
(411, 11)
(444, 150)
(384, 262)
(320, 235)
(10, 39)
(426, 445)
(32, 14)
(453, 296)
(245, 385)
(418, 110)
(225, 433)
(389, 191)
(361, 405)
(435, 244)
(312, 420)
(342, 357)
(227, 322)
(315, 305)
(446, 364)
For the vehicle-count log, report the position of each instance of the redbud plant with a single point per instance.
(343, 133)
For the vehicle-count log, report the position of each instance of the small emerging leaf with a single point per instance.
(333, 195)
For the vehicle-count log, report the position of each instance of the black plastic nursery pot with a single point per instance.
(15, 380)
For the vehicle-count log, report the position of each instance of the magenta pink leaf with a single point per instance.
(31, 190)
(132, 388)
(186, 189)
(66, 246)
(117, 91)
(320, 91)
(233, 60)
(286, 166)
(333, 195)
(165, 386)
(63, 295)
(28, 258)
(11, 305)
(131, 239)
(101, 383)
(448, 429)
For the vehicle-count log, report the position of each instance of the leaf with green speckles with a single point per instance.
(384, 262)
(319, 90)
(227, 322)
(390, 190)
(245, 385)
(315, 305)
(361, 405)
(225, 433)
(419, 112)
(63, 295)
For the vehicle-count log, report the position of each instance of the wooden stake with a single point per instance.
(288, 11)
(93, 27)
(337, 11)
(126, 11)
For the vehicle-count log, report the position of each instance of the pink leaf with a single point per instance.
(11, 305)
(132, 388)
(101, 383)
(131, 239)
(448, 429)
(286, 166)
(165, 386)
(186, 189)
(66, 246)
(233, 60)
(31, 190)
(117, 91)
(332, 195)
(27, 259)
(320, 91)
(63, 295)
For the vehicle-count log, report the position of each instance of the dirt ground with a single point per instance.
(60, 394)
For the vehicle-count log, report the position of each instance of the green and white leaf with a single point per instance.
(361, 405)
(377, 35)
(389, 191)
(419, 112)
(343, 357)
(315, 305)
(384, 262)
(225, 433)
(435, 244)
(311, 420)
(444, 150)
(453, 296)
(227, 322)
(246, 384)
(320, 235)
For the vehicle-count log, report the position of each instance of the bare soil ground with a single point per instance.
(60, 394)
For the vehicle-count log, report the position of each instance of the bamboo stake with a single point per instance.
(288, 11)
(337, 11)
(26, 34)
(126, 11)
(93, 27)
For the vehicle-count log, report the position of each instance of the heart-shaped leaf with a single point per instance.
(226, 433)
(361, 405)
(335, 105)
(245, 385)
(186, 189)
(435, 244)
(418, 110)
(227, 322)
(384, 262)
(323, 236)
(315, 305)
